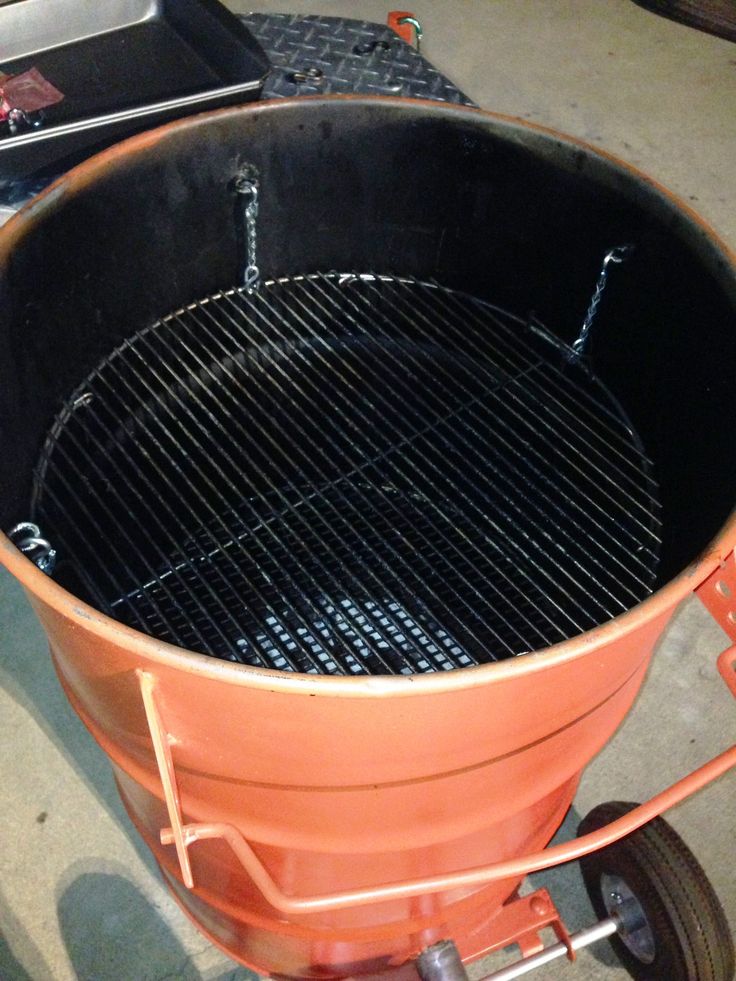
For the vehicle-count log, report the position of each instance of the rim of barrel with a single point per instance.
(111, 631)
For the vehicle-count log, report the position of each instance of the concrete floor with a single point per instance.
(79, 897)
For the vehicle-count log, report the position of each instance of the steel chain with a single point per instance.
(616, 255)
(247, 186)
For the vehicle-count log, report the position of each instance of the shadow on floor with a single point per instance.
(20, 959)
(113, 932)
(10, 967)
(26, 672)
(565, 885)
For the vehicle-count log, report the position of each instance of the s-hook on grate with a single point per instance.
(349, 474)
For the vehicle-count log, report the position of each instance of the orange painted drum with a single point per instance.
(346, 784)
(338, 785)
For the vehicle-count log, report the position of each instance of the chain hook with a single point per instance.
(616, 255)
(247, 187)
(27, 538)
(620, 253)
(418, 31)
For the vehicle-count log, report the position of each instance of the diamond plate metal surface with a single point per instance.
(349, 56)
(353, 56)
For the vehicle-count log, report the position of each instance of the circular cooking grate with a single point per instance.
(349, 474)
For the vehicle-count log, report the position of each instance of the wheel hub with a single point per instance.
(625, 908)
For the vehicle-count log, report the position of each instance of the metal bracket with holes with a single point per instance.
(718, 595)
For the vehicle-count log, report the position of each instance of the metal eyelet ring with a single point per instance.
(370, 46)
(313, 75)
(27, 538)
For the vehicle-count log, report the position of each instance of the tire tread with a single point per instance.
(681, 886)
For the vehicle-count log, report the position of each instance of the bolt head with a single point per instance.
(539, 906)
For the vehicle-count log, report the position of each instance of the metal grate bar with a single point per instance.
(458, 433)
(210, 510)
(298, 450)
(558, 449)
(221, 599)
(82, 564)
(417, 471)
(564, 416)
(563, 386)
(294, 446)
(175, 417)
(349, 474)
(82, 511)
(371, 460)
(228, 439)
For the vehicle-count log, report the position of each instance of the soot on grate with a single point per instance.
(349, 474)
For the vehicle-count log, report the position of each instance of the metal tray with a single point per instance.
(123, 66)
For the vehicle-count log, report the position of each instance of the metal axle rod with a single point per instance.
(441, 961)
(582, 938)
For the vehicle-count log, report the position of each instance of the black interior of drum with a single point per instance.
(490, 208)
(349, 474)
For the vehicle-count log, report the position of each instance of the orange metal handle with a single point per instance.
(182, 836)
(162, 742)
(515, 868)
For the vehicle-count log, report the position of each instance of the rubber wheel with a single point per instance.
(674, 927)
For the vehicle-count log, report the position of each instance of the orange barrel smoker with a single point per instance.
(328, 794)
